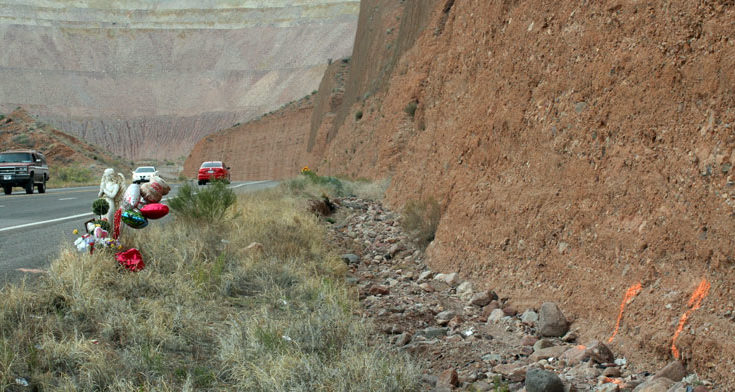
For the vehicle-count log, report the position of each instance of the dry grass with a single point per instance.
(421, 219)
(314, 186)
(205, 313)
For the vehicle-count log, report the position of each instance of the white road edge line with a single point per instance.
(67, 198)
(44, 222)
(89, 213)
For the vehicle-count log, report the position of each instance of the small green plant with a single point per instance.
(207, 205)
(421, 219)
(358, 115)
(411, 108)
(72, 174)
(100, 207)
(499, 385)
(23, 140)
(316, 179)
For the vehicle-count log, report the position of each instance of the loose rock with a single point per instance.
(538, 380)
(480, 299)
(450, 279)
(552, 322)
(448, 378)
(674, 371)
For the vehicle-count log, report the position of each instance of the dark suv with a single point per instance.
(24, 168)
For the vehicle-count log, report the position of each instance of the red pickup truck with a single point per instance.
(23, 168)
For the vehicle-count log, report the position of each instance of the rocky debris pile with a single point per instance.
(467, 336)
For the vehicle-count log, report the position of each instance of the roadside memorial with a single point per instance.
(111, 188)
(117, 204)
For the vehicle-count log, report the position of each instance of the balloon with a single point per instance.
(154, 210)
(130, 259)
(134, 219)
(154, 190)
(131, 197)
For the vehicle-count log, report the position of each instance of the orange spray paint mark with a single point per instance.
(615, 381)
(632, 292)
(694, 303)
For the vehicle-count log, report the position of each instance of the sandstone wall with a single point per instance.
(575, 150)
(149, 78)
(270, 147)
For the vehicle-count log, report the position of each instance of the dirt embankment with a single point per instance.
(20, 131)
(576, 150)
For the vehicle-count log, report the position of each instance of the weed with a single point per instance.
(411, 107)
(499, 385)
(207, 205)
(70, 176)
(205, 314)
(421, 219)
(23, 140)
(358, 115)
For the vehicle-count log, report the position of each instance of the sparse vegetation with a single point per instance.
(358, 115)
(71, 176)
(207, 313)
(313, 185)
(23, 140)
(411, 107)
(421, 219)
(208, 204)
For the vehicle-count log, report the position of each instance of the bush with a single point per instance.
(358, 115)
(411, 108)
(207, 205)
(334, 186)
(72, 174)
(421, 219)
(23, 140)
(100, 207)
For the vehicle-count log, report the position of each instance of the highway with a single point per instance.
(34, 227)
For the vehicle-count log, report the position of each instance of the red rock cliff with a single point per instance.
(576, 149)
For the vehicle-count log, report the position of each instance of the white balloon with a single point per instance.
(131, 198)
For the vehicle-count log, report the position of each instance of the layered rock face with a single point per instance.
(148, 79)
(576, 151)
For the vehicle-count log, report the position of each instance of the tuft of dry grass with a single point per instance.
(207, 313)
(421, 219)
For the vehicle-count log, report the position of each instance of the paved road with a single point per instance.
(33, 227)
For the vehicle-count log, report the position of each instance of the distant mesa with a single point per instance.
(149, 79)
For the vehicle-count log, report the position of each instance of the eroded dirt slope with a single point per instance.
(19, 130)
(576, 150)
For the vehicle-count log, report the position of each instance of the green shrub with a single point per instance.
(411, 108)
(421, 219)
(72, 174)
(331, 182)
(208, 204)
(358, 115)
(23, 140)
(100, 207)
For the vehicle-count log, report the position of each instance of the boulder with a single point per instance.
(539, 380)
(552, 322)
